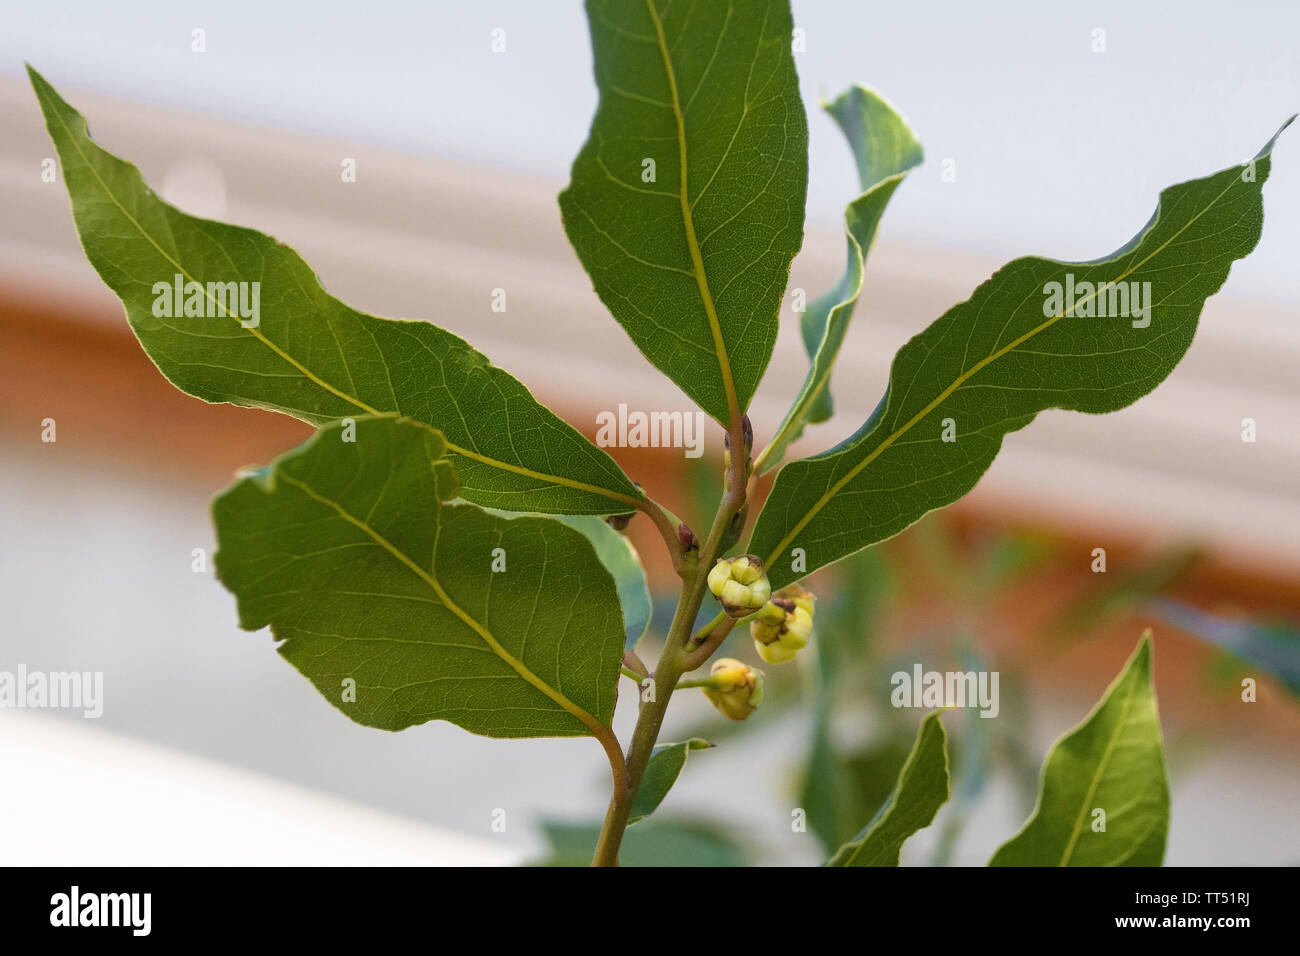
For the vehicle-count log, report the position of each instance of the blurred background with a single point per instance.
(212, 749)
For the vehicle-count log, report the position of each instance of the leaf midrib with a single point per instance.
(965, 376)
(1095, 782)
(597, 729)
(451, 446)
(688, 224)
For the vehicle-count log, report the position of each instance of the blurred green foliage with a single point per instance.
(857, 741)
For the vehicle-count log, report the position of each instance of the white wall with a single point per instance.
(1059, 151)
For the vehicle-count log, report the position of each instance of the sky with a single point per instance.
(1061, 137)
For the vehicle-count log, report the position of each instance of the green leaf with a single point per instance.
(885, 148)
(921, 790)
(992, 363)
(693, 261)
(624, 564)
(351, 553)
(1113, 761)
(310, 355)
(666, 763)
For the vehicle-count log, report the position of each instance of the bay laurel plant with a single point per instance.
(378, 551)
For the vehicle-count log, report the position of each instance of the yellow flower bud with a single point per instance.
(784, 626)
(766, 627)
(719, 575)
(736, 688)
(799, 595)
(734, 594)
(740, 584)
(747, 569)
(775, 653)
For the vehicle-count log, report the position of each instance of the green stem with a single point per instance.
(633, 663)
(671, 666)
(699, 652)
(708, 629)
(702, 682)
(666, 524)
(646, 733)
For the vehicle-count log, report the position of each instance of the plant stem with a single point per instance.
(631, 662)
(697, 655)
(703, 633)
(663, 522)
(702, 682)
(647, 732)
(671, 664)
